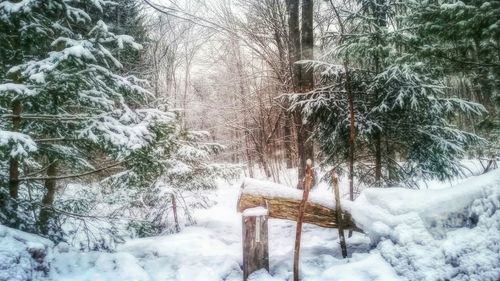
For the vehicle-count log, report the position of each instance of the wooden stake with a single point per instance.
(338, 212)
(308, 178)
(255, 243)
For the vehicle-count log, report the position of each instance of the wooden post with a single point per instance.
(302, 208)
(338, 212)
(255, 240)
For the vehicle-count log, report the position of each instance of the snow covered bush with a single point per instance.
(180, 171)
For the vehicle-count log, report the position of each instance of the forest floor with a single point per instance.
(444, 234)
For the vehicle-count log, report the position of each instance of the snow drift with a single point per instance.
(445, 234)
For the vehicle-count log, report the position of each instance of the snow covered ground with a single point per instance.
(445, 234)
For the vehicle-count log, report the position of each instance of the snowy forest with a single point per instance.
(260, 140)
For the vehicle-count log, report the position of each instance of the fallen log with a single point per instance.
(283, 202)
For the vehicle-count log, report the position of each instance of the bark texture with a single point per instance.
(255, 244)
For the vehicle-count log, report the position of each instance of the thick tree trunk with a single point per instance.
(294, 37)
(46, 211)
(305, 148)
(302, 77)
(307, 45)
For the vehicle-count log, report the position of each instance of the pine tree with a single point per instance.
(460, 41)
(402, 114)
(63, 97)
(71, 110)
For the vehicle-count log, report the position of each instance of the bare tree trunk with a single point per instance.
(307, 44)
(174, 210)
(294, 35)
(288, 141)
(263, 162)
(244, 108)
(48, 198)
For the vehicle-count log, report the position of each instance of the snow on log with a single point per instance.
(283, 202)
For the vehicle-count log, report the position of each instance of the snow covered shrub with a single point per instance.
(180, 171)
(24, 256)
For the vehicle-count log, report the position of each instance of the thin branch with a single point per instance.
(71, 176)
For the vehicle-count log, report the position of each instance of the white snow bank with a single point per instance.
(365, 268)
(196, 254)
(23, 256)
(76, 266)
(377, 210)
(446, 234)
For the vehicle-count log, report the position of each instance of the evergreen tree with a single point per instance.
(61, 92)
(126, 17)
(402, 115)
(461, 41)
(70, 110)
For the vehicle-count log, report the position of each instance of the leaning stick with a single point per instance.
(338, 211)
(308, 178)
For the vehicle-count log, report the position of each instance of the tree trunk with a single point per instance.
(306, 149)
(294, 37)
(380, 14)
(5, 201)
(302, 77)
(263, 160)
(48, 199)
(14, 162)
(288, 141)
(378, 159)
(307, 44)
(304, 146)
(174, 210)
